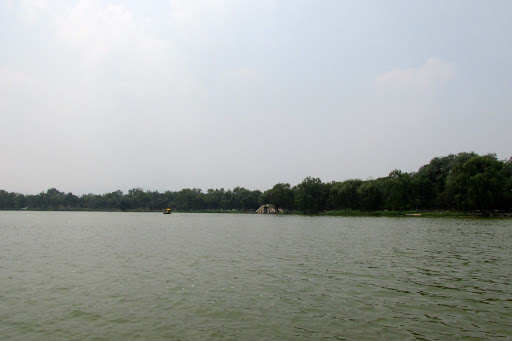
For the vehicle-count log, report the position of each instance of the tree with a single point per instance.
(507, 192)
(239, 194)
(370, 195)
(281, 196)
(344, 195)
(477, 184)
(311, 195)
(212, 199)
(190, 199)
(113, 200)
(397, 187)
(430, 180)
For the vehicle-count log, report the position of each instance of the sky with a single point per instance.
(97, 96)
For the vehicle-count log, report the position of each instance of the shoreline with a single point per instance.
(389, 214)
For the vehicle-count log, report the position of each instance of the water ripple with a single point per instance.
(185, 277)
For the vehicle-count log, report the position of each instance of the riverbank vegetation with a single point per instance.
(465, 182)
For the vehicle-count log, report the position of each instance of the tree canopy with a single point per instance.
(464, 182)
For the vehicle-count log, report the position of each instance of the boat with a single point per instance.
(166, 211)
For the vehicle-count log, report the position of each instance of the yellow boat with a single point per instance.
(167, 211)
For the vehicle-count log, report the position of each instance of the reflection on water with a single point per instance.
(217, 276)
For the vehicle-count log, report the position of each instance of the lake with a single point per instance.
(149, 276)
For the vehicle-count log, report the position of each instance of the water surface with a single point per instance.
(118, 276)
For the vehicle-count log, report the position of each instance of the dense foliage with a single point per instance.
(464, 182)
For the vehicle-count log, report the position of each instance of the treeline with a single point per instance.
(462, 182)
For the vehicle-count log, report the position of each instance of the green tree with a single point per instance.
(345, 195)
(429, 183)
(477, 184)
(370, 195)
(397, 190)
(507, 191)
(311, 195)
(281, 196)
(245, 199)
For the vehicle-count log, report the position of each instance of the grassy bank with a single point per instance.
(342, 213)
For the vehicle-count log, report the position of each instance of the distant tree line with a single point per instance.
(463, 182)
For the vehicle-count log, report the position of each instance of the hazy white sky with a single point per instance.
(97, 95)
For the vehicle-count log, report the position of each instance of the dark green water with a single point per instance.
(147, 276)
